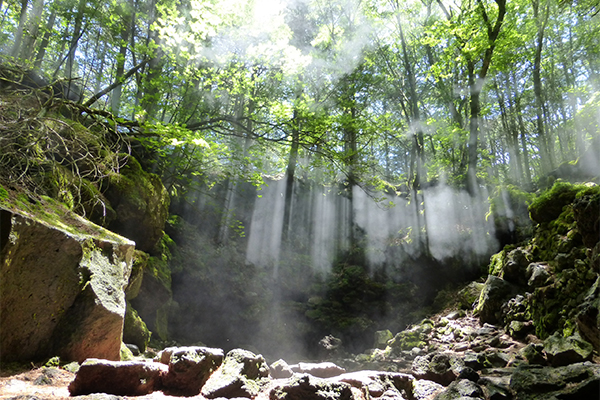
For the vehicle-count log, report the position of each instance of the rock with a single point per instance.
(494, 294)
(424, 390)
(133, 348)
(533, 353)
(410, 338)
(381, 338)
(434, 367)
(497, 388)
(64, 292)
(126, 378)
(588, 318)
(141, 203)
(538, 274)
(520, 329)
(242, 374)
(280, 370)
(469, 295)
(319, 370)
(462, 389)
(189, 368)
(543, 383)
(135, 330)
(469, 373)
(564, 351)
(586, 211)
(515, 265)
(307, 387)
(378, 383)
(329, 346)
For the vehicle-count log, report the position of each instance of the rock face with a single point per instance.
(62, 286)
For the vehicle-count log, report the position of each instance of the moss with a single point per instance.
(550, 204)
(126, 354)
(3, 193)
(135, 330)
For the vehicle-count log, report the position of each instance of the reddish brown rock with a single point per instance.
(189, 368)
(124, 378)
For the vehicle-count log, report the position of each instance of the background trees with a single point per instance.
(356, 90)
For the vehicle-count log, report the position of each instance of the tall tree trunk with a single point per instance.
(290, 177)
(19, 33)
(41, 53)
(33, 26)
(77, 32)
(543, 139)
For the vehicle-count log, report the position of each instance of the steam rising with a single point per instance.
(455, 225)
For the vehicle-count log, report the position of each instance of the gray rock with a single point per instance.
(242, 374)
(72, 275)
(533, 353)
(434, 367)
(494, 294)
(570, 350)
(307, 387)
(544, 383)
(377, 383)
(462, 389)
(538, 275)
(588, 318)
(424, 389)
(319, 370)
(280, 370)
(189, 368)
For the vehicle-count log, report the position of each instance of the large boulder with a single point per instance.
(462, 389)
(126, 378)
(567, 350)
(436, 367)
(242, 374)
(495, 292)
(575, 381)
(62, 285)
(189, 368)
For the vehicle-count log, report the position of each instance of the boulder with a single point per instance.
(307, 387)
(189, 368)
(378, 383)
(242, 374)
(424, 390)
(495, 292)
(434, 367)
(280, 370)
(586, 211)
(125, 378)
(62, 285)
(588, 318)
(135, 330)
(533, 353)
(461, 389)
(538, 274)
(319, 370)
(567, 350)
(547, 383)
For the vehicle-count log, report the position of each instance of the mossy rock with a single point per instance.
(548, 206)
(141, 203)
(135, 330)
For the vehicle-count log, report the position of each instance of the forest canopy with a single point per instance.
(377, 93)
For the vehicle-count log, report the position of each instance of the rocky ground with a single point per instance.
(450, 356)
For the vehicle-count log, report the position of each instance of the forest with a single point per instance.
(329, 163)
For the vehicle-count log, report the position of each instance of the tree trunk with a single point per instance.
(545, 157)
(19, 33)
(77, 32)
(33, 27)
(41, 53)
